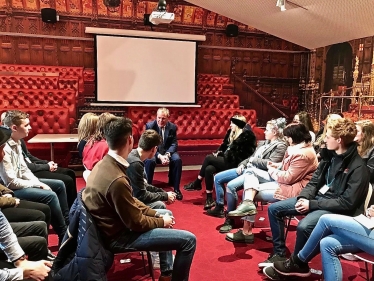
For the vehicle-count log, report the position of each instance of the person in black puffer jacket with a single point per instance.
(238, 144)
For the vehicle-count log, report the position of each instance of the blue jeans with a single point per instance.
(162, 240)
(335, 235)
(278, 211)
(234, 181)
(55, 199)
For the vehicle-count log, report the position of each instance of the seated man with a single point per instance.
(18, 177)
(125, 222)
(49, 170)
(167, 151)
(339, 185)
(145, 192)
(34, 246)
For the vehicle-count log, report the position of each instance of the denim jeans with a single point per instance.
(55, 199)
(251, 177)
(335, 235)
(234, 181)
(162, 240)
(278, 211)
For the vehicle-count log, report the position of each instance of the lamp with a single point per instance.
(112, 5)
(281, 4)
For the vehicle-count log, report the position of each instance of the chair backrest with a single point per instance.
(368, 196)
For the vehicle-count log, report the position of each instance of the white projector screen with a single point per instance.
(145, 70)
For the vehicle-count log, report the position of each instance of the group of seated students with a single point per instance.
(327, 188)
(34, 193)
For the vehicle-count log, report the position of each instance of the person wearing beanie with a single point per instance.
(238, 144)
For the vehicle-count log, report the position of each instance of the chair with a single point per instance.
(367, 258)
(149, 258)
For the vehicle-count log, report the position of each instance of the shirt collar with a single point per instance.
(118, 158)
(11, 142)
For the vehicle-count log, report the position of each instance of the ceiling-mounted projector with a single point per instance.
(161, 15)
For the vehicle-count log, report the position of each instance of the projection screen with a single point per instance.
(145, 70)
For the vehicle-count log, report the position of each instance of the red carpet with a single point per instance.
(215, 258)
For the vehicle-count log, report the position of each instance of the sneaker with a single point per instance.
(217, 212)
(227, 226)
(155, 260)
(195, 185)
(270, 260)
(247, 207)
(239, 237)
(292, 267)
(209, 203)
(349, 257)
(270, 273)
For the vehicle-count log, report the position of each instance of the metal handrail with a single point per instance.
(260, 96)
(360, 97)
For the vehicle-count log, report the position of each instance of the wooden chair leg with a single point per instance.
(144, 266)
(367, 271)
(287, 227)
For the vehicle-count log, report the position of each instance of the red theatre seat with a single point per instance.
(213, 78)
(209, 89)
(40, 99)
(200, 131)
(28, 82)
(219, 102)
(63, 71)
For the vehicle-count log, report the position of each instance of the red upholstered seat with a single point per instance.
(219, 102)
(209, 89)
(63, 71)
(213, 78)
(200, 131)
(40, 99)
(28, 82)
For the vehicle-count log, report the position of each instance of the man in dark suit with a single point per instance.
(167, 151)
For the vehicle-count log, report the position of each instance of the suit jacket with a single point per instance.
(170, 142)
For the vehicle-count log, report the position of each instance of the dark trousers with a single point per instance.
(67, 176)
(32, 239)
(211, 166)
(175, 169)
(28, 211)
(278, 211)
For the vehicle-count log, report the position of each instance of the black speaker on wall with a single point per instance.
(232, 30)
(49, 15)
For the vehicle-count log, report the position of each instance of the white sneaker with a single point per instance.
(349, 256)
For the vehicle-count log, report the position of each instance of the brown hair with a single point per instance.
(367, 142)
(149, 139)
(87, 126)
(102, 120)
(304, 118)
(343, 128)
(14, 117)
(116, 131)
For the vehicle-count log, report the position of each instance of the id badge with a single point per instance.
(324, 189)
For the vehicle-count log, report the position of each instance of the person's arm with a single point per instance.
(293, 173)
(276, 156)
(134, 214)
(136, 174)
(370, 165)
(174, 144)
(224, 144)
(35, 167)
(8, 240)
(9, 175)
(354, 194)
(32, 158)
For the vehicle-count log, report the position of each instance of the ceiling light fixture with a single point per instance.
(281, 4)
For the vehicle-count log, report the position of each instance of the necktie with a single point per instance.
(163, 133)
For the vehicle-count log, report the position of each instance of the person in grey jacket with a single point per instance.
(365, 141)
(21, 267)
(272, 150)
(142, 190)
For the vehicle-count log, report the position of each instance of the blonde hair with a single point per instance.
(237, 131)
(367, 142)
(164, 110)
(87, 126)
(344, 129)
(329, 118)
(102, 120)
(277, 126)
